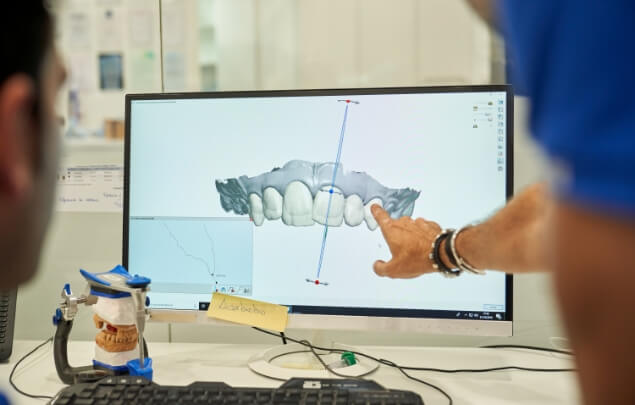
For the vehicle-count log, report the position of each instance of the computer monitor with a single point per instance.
(266, 195)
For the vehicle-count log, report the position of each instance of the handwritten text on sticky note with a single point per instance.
(248, 312)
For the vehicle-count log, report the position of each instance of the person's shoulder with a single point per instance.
(3, 399)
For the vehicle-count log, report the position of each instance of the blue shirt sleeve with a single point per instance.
(575, 59)
(3, 400)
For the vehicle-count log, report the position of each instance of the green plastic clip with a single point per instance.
(349, 358)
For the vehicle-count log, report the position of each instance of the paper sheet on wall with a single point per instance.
(174, 27)
(79, 30)
(110, 25)
(94, 188)
(81, 68)
(141, 25)
(174, 71)
(143, 71)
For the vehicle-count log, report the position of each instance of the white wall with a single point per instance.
(281, 44)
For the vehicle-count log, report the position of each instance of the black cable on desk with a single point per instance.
(543, 349)
(313, 349)
(16, 366)
(403, 369)
(326, 366)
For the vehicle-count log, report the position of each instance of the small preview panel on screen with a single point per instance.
(268, 196)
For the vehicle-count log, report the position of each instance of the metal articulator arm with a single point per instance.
(63, 320)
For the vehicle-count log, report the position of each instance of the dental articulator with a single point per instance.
(119, 302)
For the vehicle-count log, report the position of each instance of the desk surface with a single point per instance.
(183, 363)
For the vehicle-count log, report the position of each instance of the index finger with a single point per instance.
(380, 214)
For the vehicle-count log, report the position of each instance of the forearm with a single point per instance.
(489, 246)
(514, 240)
(594, 273)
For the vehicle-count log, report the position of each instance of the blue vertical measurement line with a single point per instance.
(328, 207)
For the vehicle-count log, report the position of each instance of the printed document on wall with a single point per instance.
(94, 188)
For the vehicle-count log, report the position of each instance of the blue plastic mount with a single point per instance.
(106, 278)
(114, 294)
(110, 284)
(117, 276)
(145, 371)
(57, 317)
(138, 281)
(119, 369)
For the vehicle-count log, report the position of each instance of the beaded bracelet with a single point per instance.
(435, 257)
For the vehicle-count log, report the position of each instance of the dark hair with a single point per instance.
(25, 36)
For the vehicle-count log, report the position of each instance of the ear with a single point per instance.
(17, 96)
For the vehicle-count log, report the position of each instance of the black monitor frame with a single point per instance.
(379, 312)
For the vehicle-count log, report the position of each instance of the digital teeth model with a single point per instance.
(302, 193)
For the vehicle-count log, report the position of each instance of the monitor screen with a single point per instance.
(266, 195)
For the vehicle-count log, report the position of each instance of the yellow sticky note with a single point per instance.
(248, 312)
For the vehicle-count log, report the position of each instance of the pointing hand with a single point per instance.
(409, 242)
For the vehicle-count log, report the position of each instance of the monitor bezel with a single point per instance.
(354, 318)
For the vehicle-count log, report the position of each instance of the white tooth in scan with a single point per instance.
(354, 210)
(307, 184)
(368, 216)
(272, 203)
(256, 212)
(335, 210)
(297, 207)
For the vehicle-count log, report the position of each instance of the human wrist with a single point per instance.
(435, 255)
(471, 244)
(445, 259)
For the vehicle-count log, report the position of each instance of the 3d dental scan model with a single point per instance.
(302, 193)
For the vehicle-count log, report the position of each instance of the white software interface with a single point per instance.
(269, 197)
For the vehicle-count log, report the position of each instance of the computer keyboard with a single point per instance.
(137, 390)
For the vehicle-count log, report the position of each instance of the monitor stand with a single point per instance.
(295, 360)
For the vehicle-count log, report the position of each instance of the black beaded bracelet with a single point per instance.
(435, 257)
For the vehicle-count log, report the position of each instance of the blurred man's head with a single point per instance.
(30, 76)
